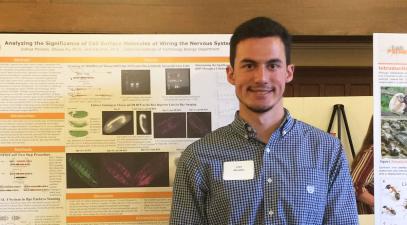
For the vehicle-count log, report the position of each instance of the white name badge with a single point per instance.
(238, 170)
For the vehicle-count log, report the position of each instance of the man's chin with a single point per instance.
(258, 109)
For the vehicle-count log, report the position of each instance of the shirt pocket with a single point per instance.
(306, 190)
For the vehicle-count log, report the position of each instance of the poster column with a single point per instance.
(390, 128)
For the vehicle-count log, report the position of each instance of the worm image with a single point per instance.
(119, 172)
(168, 125)
(151, 170)
(197, 125)
(116, 123)
(142, 121)
(83, 169)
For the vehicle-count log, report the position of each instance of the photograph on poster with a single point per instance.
(169, 125)
(394, 101)
(393, 204)
(114, 170)
(136, 82)
(394, 138)
(117, 123)
(178, 81)
(143, 122)
(198, 124)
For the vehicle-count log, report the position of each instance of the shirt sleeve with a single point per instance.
(341, 203)
(363, 169)
(188, 193)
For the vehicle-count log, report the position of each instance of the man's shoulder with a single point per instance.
(311, 131)
(317, 143)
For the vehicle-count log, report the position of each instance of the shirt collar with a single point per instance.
(245, 130)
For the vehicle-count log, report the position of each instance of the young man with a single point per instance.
(265, 167)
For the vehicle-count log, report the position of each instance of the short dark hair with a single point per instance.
(259, 27)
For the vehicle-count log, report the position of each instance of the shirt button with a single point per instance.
(284, 132)
(267, 150)
(269, 180)
(271, 213)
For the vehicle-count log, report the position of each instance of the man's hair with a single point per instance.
(259, 27)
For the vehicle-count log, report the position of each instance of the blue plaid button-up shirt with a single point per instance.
(301, 176)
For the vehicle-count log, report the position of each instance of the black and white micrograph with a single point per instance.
(143, 122)
(136, 82)
(177, 81)
(117, 123)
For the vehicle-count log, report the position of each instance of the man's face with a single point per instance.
(260, 73)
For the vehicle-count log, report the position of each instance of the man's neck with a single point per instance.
(264, 123)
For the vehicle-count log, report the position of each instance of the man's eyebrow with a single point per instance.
(273, 61)
(247, 61)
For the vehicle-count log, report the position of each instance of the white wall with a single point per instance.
(317, 112)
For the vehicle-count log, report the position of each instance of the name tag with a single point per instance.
(238, 170)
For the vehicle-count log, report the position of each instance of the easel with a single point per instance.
(338, 110)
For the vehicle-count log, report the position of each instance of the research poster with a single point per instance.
(92, 126)
(390, 128)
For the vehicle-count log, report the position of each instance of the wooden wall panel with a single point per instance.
(311, 17)
(334, 90)
(331, 81)
(361, 89)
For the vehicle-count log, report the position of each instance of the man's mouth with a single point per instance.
(261, 90)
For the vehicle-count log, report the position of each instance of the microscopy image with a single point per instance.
(113, 170)
(169, 125)
(198, 124)
(143, 122)
(82, 171)
(148, 169)
(136, 82)
(177, 81)
(117, 123)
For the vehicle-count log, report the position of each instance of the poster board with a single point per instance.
(390, 156)
(91, 126)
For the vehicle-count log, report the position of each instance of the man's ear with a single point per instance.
(290, 73)
(230, 75)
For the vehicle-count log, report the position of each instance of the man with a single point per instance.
(265, 167)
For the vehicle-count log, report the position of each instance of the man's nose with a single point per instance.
(261, 74)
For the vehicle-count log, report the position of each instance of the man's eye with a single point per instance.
(248, 66)
(273, 66)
